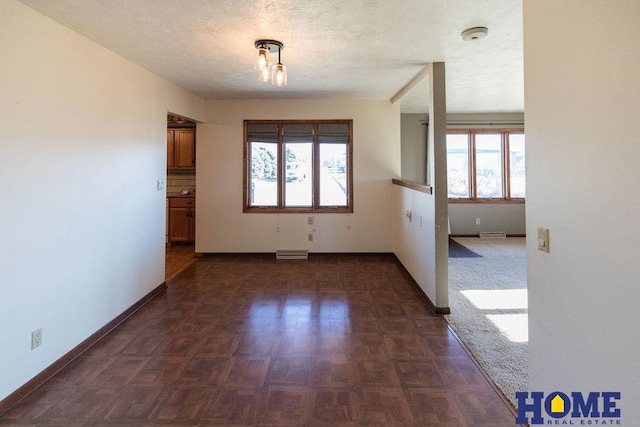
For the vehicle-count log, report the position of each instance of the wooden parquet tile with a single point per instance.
(334, 407)
(232, 406)
(178, 257)
(331, 341)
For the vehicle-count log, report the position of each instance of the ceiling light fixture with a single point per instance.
(277, 74)
(475, 33)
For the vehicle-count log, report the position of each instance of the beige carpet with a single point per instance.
(488, 300)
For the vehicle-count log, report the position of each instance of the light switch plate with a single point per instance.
(160, 184)
(543, 239)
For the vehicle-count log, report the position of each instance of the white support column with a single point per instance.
(437, 171)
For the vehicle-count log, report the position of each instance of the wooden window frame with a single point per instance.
(506, 166)
(315, 207)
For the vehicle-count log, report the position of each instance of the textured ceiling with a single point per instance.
(367, 49)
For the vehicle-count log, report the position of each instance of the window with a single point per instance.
(298, 166)
(516, 165)
(488, 151)
(458, 166)
(486, 165)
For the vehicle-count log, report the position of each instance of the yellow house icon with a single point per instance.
(557, 404)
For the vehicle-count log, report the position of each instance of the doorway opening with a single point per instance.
(181, 194)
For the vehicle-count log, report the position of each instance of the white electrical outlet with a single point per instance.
(310, 220)
(36, 338)
(310, 237)
(409, 215)
(477, 221)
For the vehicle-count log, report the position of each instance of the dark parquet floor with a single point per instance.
(338, 341)
(178, 257)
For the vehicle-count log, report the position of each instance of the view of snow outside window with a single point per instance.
(489, 165)
(333, 174)
(298, 169)
(264, 174)
(298, 180)
(516, 163)
(458, 165)
(489, 177)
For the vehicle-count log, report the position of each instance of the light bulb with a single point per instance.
(263, 59)
(279, 75)
(264, 75)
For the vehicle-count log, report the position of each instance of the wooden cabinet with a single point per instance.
(182, 219)
(181, 148)
(170, 150)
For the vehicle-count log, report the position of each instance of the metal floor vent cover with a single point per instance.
(292, 254)
(492, 235)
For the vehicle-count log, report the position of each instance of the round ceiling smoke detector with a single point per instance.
(475, 33)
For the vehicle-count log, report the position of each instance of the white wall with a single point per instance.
(221, 226)
(82, 143)
(413, 134)
(582, 110)
(421, 243)
(507, 217)
(414, 240)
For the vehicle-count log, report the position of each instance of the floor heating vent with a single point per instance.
(292, 254)
(492, 234)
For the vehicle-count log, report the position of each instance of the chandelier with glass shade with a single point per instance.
(268, 72)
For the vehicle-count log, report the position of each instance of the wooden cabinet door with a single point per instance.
(185, 148)
(170, 157)
(179, 224)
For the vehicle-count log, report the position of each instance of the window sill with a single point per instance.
(414, 185)
(272, 209)
(488, 201)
